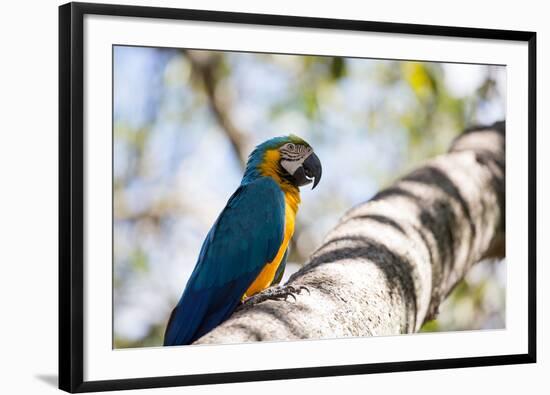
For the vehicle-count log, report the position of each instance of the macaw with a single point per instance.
(245, 250)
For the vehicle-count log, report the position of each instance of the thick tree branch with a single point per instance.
(390, 262)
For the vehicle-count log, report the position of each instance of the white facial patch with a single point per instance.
(292, 165)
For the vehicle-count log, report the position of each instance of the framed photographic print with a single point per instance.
(259, 197)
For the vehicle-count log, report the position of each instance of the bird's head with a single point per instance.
(287, 159)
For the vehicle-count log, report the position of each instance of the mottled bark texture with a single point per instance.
(390, 262)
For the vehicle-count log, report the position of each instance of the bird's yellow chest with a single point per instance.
(266, 276)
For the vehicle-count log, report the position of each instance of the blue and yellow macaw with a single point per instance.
(245, 250)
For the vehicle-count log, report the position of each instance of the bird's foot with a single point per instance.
(276, 293)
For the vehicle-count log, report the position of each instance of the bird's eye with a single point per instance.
(291, 146)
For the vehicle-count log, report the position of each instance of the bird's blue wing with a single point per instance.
(246, 236)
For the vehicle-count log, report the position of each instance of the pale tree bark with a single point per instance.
(390, 262)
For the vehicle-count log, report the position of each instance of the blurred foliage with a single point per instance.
(176, 158)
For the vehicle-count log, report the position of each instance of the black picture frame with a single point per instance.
(71, 195)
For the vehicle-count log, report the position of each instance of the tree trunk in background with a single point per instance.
(390, 262)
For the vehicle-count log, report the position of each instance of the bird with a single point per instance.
(246, 248)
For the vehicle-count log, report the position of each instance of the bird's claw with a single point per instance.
(276, 293)
(297, 290)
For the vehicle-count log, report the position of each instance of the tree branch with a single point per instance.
(390, 262)
(207, 65)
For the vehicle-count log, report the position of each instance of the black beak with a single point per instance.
(312, 169)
